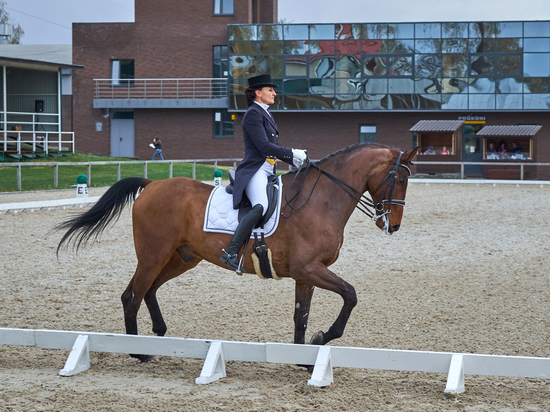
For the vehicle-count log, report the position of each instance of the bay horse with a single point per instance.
(169, 240)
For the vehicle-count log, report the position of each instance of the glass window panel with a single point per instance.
(510, 85)
(295, 102)
(481, 101)
(481, 45)
(536, 101)
(454, 30)
(536, 45)
(243, 47)
(374, 65)
(455, 65)
(427, 86)
(373, 46)
(482, 85)
(401, 66)
(454, 85)
(321, 31)
(347, 102)
(272, 65)
(321, 102)
(401, 102)
(536, 85)
(401, 31)
(427, 30)
(482, 65)
(375, 31)
(509, 29)
(321, 47)
(374, 102)
(322, 87)
(243, 66)
(270, 32)
(247, 32)
(295, 47)
(348, 86)
(367, 129)
(482, 30)
(348, 46)
(400, 86)
(455, 46)
(347, 31)
(508, 45)
(454, 101)
(535, 65)
(295, 66)
(295, 86)
(270, 47)
(428, 65)
(238, 86)
(428, 101)
(227, 6)
(399, 46)
(321, 67)
(427, 46)
(238, 102)
(295, 31)
(509, 101)
(536, 29)
(509, 65)
(348, 66)
(376, 86)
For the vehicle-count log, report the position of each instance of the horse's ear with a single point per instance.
(409, 156)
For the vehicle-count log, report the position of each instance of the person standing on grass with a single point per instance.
(158, 152)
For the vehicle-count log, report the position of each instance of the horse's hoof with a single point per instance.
(142, 358)
(318, 338)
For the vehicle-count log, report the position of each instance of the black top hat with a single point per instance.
(263, 80)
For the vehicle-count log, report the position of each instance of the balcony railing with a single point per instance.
(163, 89)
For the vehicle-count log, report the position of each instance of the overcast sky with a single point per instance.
(49, 21)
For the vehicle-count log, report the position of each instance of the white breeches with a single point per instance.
(256, 187)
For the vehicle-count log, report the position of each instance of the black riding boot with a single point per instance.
(246, 225)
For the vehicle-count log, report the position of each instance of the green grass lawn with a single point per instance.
(42, 177)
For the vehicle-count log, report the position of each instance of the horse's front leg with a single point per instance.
(321, 277)
(304, 293)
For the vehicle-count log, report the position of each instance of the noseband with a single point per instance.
(366, 205)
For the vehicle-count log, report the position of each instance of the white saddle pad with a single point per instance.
(220, 216)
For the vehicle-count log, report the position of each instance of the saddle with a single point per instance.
(272, 197)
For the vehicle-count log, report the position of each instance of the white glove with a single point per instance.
(298, 157)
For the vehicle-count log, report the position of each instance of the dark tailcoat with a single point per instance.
(261, 139)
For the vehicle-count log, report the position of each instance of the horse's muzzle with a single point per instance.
(393, 228)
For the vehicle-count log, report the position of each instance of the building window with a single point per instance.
(121, 72)
(220, 62)
(367, 133)
(224, 124)
(222, 7)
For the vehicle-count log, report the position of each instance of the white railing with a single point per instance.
(200, 88)
(513, 163)
(40, 141)
(323, 358)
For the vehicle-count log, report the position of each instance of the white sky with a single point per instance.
(49, 21)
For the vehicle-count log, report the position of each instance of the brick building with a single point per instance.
(180, 72)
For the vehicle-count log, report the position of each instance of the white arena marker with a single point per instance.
(455, 379)
(79, 359)
(322, 371)
(214, 365)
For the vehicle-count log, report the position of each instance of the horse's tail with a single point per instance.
(107, 209)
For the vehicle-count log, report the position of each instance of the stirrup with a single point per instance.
(232, 261)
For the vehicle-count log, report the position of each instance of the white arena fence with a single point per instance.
(322, 358)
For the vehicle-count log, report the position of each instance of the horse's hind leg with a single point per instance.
(178, 264)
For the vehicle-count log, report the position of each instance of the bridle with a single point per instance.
(374, 210)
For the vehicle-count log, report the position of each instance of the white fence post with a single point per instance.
(79, 358)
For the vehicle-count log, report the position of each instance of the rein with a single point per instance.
(366, 205)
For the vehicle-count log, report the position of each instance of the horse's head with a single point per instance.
(388, 187)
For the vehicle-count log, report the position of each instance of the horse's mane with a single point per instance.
(349, 149)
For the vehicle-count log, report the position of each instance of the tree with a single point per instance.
(16, 31)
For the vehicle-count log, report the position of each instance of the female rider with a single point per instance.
(261, 149)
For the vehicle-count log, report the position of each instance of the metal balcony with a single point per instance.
(161, 93)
